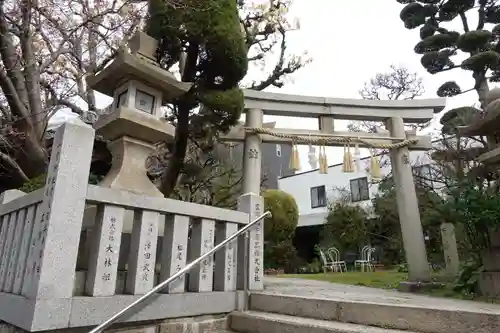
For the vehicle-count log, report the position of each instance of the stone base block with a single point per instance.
(205, 324)
(201, 324)
(415, 287)
(7, 328)
(489, 284)
(495, 238)
(491, 259)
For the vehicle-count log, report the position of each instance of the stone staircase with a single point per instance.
(261, 322)
(273, 313)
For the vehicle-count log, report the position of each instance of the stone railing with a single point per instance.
(16, 231)
(146, 238)
(73, 254)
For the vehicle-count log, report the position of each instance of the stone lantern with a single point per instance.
(139, 88)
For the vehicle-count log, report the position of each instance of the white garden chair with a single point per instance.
(366, 259)
(334, 255)
(327, 263)
(370, 259)
(360, 262)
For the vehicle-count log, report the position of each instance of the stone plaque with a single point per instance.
(142, 259)
(174, 254)
(202, 240)
(104, 251)
(226, 258)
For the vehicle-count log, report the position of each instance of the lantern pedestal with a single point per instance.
(128, 171)
(132, 137)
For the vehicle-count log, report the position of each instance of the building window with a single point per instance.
(278, 150)
(318, 196)
(144, 101)
(359, 189)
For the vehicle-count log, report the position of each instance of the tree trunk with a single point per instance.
(33, 157)
(176, 162)
(481, 86)
(169, 179)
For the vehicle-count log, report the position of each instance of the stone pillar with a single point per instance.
(252, 203)
(409, 215)
(450, 249)
(52, 257)
(489, 279)
(252, 156)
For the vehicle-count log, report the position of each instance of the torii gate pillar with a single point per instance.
(252, 203)
(407, 203)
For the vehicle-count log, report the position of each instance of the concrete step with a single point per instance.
(428, 315)
(261, 322)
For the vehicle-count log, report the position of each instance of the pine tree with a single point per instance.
(213, 42)
(441, 48)
(474, 49)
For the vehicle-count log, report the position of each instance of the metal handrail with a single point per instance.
(177, 275)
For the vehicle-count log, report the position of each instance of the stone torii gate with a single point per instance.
(393, 113)
(138, 72)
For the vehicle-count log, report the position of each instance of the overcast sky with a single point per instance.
(349, 42)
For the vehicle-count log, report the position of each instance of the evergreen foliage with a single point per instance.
(346, 227)
(206, 38)
(285, 216)
(209, 31)
(279, 252)
(475, 49)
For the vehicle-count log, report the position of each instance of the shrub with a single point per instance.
(39, 182)
(279, 252)
(313, 267)
(281, 227)
(346, 227)
(33, 184)
(281, 256)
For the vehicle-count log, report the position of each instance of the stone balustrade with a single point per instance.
(162, 236)
(73, 254)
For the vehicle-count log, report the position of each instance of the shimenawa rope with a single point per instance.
(348, 164)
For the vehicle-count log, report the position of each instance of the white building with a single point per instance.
(313, 190)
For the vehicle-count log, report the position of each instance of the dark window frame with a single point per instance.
(318, 196)
(361, 190)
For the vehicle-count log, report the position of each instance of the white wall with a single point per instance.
(300, 184)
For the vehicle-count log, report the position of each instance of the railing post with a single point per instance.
(27, 233)
(51, 265)
(174, 251)
(7, 229)
(202, 241)
(104, 248)
(142, 258)
(225, 260)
